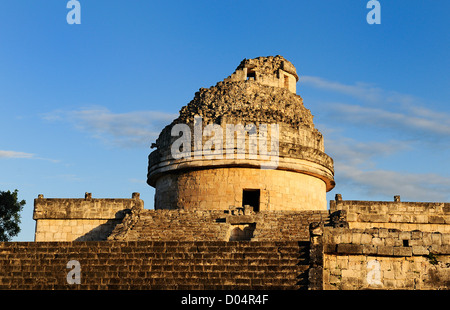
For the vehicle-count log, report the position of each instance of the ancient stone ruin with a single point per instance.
(259, 93)
(241, 177)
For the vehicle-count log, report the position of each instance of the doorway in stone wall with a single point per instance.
(251, 197)
(286, 82)
(251, 75)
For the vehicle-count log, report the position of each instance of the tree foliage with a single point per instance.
(10, 208)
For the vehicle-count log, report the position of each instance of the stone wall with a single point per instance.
(79, 219)
(423, 216)
(219, 188)
(382, 258)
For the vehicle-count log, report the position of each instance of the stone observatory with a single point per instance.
(247, 141)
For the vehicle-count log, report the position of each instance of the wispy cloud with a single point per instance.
(356, 170)
(412, 120)
(412, 186)
(364, 91)
(138, 181)
(130, 129)
(402, 115)
(359, 90)
(407, 125)
(357, 153)
(15, 154)
(23, 155)
(65, 177)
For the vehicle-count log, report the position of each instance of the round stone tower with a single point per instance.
(248, 140)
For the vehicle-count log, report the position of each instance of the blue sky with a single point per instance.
(81, 104)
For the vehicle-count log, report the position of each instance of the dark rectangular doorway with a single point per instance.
(251, 197)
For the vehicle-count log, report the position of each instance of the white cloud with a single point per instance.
(356, 170)
(411, 186)
(23, 155)
(364, 91)
(359, 90)
(130, 129)
(411, 120)
(407, 125)
(14, 154)
(354, 153)
(402, 114)
(138, 181)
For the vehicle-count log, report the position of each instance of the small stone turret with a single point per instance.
(272, 71)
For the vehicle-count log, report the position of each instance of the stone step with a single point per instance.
(177, 279)
(30, 246)
(228, 287)
(105, 280)
(13, 270)
(124, 275)
(166, 252)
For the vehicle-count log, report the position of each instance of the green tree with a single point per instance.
(10, 208)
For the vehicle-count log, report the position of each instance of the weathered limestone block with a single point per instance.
(349, 248)
(402, 251)
(366, 239)
(434, 219)
(420, 250)
(385, 250)
(436, 239)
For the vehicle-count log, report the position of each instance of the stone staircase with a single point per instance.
(213, 225)
(157, 265)
(170, 225)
